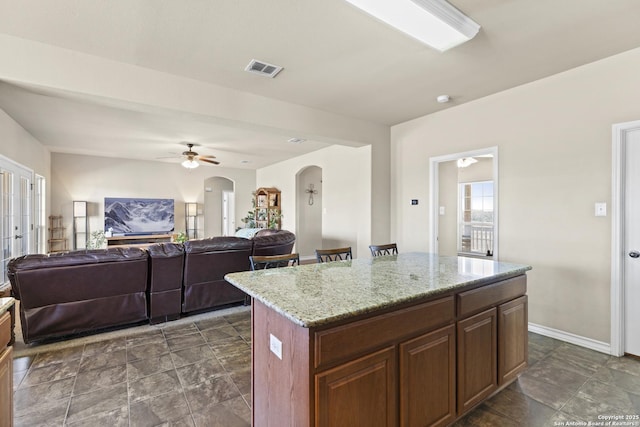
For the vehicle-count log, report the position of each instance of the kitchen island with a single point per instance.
(411, 340)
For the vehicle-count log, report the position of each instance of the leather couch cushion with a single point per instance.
(217, 244)
(75, 276)
(273, 242)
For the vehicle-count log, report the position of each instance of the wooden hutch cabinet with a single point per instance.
(268, 208)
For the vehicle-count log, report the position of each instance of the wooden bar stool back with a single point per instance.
(337, 254)
(273, 261)
(379, 250)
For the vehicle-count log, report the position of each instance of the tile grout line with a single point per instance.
(126, 367)
(175, 368)
(75, 380)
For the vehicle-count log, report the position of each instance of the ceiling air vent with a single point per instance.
(263, 68)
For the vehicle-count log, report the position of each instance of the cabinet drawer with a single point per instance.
(475, 300)
(344, 342)
(5, 330)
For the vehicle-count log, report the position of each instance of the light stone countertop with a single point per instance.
(316, 294)
(6, 303)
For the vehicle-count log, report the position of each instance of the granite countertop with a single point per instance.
(317, 294)
(6, 303)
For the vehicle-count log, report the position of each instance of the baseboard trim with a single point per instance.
(589, 343)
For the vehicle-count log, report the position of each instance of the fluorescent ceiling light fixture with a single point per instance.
(433, 22)
(190, 164)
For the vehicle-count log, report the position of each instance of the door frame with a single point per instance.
(434, 197)
(619, 133)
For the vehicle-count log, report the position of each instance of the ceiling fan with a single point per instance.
(192, 158)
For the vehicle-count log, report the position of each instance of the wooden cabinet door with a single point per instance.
(360, 393)
(477, 359)
(6, 388)
(427, 379)
(512, 339)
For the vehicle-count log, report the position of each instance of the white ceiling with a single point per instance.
(73, 124)
(335, 59)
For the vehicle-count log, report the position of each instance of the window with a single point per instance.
(475, 221)
(39, 215)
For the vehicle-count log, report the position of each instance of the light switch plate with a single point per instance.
(601, 209)
(275, 345)
(441, 210)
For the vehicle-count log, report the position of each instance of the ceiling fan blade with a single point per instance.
(213, 162)
(205, 156)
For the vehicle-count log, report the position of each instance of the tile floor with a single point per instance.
(564, 385)
(194, 374)
(199, 375)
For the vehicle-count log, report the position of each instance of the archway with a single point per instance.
(309, 211)
(219, 207)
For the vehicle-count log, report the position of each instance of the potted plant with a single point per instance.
(97, 240)
(274, 219)
(249, 220)
(181, 237)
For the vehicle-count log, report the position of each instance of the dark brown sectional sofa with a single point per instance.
(85, 291)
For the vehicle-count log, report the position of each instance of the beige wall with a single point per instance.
(346, 194)
(554, 144)
(89, 178)
(21, 147)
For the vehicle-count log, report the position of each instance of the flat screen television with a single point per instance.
(135, 216)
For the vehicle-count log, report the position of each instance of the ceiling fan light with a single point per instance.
(466, 161)
(190, 164)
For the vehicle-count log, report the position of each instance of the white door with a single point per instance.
(15, 212)
(632, 243)
(228, 213)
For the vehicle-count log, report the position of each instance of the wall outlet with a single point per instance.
(275, 345)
